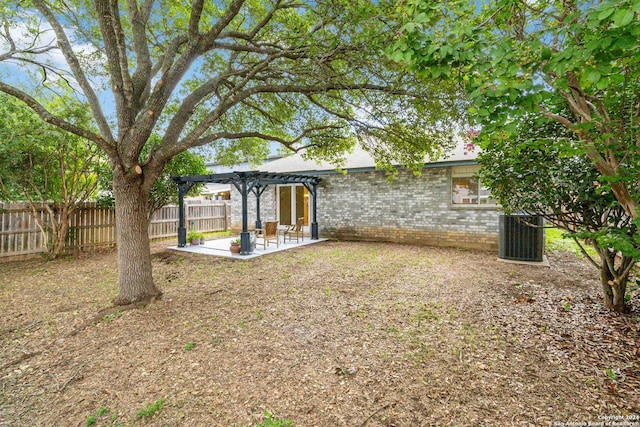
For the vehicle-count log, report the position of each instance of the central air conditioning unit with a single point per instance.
(521, 238)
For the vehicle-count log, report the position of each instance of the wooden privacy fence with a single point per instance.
(93, 227)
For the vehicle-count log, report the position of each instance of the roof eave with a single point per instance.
(449, 163)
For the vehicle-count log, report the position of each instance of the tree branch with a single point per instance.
(194, 19)
(586, 254)
(287, 143)
(114, 50)
(78, 73)
(54, 120)
(210, 37)
(141, 78)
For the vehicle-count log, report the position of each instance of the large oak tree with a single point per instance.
(233, 73)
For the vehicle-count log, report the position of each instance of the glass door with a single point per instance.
(284, 205)
(293, 203)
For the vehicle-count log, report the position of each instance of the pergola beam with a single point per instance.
(250, 176)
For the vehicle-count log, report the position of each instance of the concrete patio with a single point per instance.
(220, 247)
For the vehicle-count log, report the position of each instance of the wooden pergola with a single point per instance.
(255, 182)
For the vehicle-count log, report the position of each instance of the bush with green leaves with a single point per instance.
(50, 170)
(541, 172)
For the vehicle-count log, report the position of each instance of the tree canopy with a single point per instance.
(576, 63)
(232, 73)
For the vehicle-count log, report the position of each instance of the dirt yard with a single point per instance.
(332, 334)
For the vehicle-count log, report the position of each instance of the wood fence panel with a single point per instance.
(164, 222)
(19, 233)
(91, 227)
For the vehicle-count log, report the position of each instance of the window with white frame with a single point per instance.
(467, 189)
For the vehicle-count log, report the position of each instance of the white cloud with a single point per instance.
(36, 36)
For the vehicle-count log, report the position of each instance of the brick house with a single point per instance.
(445, 206)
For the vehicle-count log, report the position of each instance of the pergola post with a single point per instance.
(183, 188)
(258, 190)
(245, 238)
(314, 217)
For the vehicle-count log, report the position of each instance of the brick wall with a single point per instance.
(411, 209)
(267, 207)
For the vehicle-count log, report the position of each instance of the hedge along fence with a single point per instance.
(93, 227)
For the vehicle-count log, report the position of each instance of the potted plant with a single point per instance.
(202, 239)
(194, 237)
(235, 246)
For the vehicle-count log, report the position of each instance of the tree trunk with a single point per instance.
(60, 233)
(134, 253)
(612, 290)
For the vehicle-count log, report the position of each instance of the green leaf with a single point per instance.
(625, 42)
(593, 45)
(511, 128)
(616, 78)
(603, 83)
(623, 17)
(606, 42)
(409, 27)
(397, 55)
(421, 18)
(604, 14)
(611, 374)
(593, 75)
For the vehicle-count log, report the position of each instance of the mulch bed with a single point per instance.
(332, 334)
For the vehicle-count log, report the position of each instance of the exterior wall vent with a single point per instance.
(521, 238)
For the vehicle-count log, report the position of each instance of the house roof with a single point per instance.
(241, 166)
(211, 188)
(360, 161)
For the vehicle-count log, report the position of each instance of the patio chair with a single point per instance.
(295, 230)
(268, 234)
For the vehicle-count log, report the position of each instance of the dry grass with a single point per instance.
(333, 334)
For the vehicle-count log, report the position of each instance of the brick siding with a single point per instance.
(411, 209)
(267, 207)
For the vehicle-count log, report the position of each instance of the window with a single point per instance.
(466, 188)
(465, 191)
